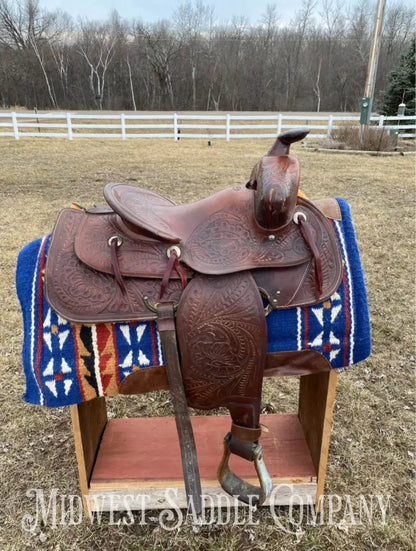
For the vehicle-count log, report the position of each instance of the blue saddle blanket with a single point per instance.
(67, 363)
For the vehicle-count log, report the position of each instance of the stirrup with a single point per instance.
(236, 486)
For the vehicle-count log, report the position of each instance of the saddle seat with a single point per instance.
(219, 234)
(149, 213)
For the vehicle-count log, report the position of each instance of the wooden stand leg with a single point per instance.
(316, 404)
(88, 422)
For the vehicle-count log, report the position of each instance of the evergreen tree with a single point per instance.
(401, 85)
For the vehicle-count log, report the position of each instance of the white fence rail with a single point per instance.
(177, 126)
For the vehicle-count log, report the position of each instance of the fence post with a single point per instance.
(279, 123)
(123, 126)
(381, 121)
(175, 127)
(69, 125)
(15, 127)
(330, 125)
(227, 127)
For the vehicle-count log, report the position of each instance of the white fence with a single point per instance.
(178, 126)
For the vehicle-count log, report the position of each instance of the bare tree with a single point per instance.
(133, 100)
(293, 45)
(161, 49)
(97, 49)
(191, 19)
(61, 49)
(38, 41)
(21, 22)
(24, 26)
(316, 86)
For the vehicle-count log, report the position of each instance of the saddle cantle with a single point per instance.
(208, 272)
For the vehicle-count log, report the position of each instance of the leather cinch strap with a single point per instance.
(308, 234)
(167, 332)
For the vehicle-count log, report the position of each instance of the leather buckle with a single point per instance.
(236, 486)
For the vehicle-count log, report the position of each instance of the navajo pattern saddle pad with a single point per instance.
(68, 363)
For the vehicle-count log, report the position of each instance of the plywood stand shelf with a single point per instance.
(138, 459)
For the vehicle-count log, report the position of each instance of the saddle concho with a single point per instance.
(203, 272)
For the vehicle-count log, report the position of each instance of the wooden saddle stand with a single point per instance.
(209, 273)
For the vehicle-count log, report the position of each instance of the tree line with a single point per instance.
(190, 62)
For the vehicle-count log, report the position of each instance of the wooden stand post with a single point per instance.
(139, 458)
(316, 407)
(89, 420)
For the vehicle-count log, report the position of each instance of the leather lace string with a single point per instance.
(116, 266)
(173, 263)
(308, 234)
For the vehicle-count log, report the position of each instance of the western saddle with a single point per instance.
(208, 272)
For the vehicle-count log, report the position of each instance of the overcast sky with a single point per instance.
(152, 10)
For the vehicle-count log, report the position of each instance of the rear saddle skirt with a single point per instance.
(208, 273)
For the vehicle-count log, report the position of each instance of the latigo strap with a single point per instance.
(167, 332)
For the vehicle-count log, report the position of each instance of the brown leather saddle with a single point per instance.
(208, 272)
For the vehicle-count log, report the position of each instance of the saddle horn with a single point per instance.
(275, 181)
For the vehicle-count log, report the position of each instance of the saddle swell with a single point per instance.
(204, 272)
(274, 205)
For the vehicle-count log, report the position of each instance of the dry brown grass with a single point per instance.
(372, 444)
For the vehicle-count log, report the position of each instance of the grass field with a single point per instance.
(372, 449)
